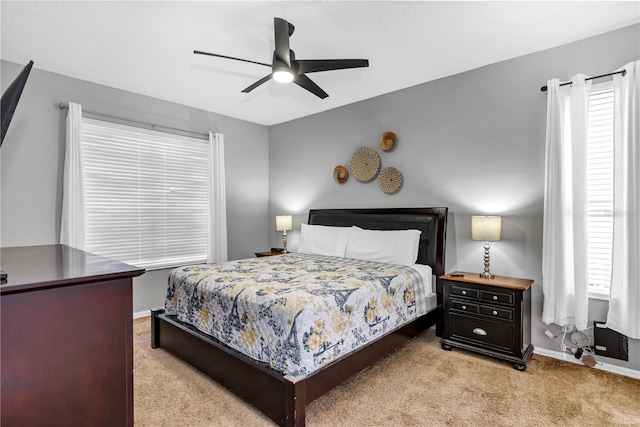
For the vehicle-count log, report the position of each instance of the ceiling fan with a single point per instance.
(285, 66)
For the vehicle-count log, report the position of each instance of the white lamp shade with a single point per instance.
(284, 223)
(486, 228)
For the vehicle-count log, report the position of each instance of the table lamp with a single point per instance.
(487, 229)
(284, 223)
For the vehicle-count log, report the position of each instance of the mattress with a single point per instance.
(298, 312)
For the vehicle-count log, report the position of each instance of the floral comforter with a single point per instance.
(295, 312)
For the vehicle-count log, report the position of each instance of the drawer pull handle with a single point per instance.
(495, 313)
(464, 292)
(479, 331)
(495, 298)
(464, 307)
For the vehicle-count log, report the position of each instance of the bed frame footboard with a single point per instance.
(259, 385)
(267, 390)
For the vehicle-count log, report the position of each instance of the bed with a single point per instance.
(278, 390)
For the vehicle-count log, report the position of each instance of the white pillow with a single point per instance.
(390, 246)
(323, 240)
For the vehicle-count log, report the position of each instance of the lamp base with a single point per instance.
(486, 274)
(284, 242)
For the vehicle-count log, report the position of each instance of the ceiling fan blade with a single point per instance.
(305, 82)
(315, 65)
(199, 52)
(282, 52)
(258, 83)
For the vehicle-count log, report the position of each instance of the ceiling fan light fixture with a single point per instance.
(285, 68)
(283, 76)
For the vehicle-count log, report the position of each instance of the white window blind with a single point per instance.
(146, 195)
(600, 189)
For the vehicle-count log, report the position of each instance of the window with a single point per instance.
(600, 189)
(146, 195)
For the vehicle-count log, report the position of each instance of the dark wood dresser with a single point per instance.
(66, 320)
(488, 316)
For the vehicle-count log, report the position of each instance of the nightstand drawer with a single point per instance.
(499, 313)
(493, 335)
(495, 296)
(464, 291)
(464, 306)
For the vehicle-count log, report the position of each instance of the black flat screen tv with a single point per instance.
(11, 96)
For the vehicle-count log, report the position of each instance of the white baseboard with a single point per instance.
(620, 370)
(144, 313)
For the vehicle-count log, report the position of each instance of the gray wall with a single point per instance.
(32, 159)
(473, 142)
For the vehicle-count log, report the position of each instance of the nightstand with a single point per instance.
(488, 316)
(267, 253)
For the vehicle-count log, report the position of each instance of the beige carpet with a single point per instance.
(420, 385)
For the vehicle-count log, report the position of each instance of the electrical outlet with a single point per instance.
(549, 334)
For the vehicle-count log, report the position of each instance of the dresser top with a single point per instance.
(35, 267)
(497, 281)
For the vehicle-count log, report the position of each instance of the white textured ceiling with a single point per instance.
(147, 46)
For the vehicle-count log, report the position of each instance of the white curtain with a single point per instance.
(217, 251)
(72, 230)
(624, 302)
(564, 239)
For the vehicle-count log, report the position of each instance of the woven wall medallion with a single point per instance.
(388, 141)
(390, 180)
(365, 164)
(340, 174)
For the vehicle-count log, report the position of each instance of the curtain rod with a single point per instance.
(153, 126)
(623, 72)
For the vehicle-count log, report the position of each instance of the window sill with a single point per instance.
(599, 296)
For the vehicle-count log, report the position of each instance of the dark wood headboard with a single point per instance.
(431, 221)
